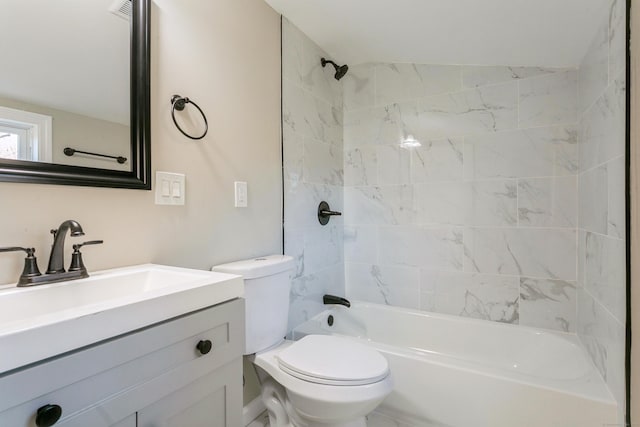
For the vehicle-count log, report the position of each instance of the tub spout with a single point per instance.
(332, 299)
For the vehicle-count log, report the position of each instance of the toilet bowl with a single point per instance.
(320, 380)
(329, 381)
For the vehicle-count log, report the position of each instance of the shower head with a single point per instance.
(340, 70)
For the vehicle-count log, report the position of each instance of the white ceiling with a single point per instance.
(551, 33)
(71, 55)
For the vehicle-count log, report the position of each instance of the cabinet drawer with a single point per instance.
(83, 378)
(95, 417)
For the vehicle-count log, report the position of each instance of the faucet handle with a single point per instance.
(77, 246)
(29, 251)
(76, 257)
(30, 263)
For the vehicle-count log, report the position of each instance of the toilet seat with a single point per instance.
(331, 360)
(324, 403)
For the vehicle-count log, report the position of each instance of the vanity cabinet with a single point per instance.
(186, 371)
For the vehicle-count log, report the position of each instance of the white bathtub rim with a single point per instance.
(589, 386)
(450, 317)
(567, 336)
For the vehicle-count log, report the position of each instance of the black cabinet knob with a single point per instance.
(204, 347)
(48, 415)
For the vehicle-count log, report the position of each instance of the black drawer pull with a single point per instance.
(204, 347)
(48, 415)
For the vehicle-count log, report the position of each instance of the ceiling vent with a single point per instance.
(121, 8)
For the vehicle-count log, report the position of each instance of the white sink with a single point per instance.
(42, 321)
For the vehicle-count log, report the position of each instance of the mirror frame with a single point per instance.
(140, 175)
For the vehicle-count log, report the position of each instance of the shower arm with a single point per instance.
(328, 61)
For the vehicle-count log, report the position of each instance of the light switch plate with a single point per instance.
(170, 188)
(241, 194)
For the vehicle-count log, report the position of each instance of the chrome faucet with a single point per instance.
(56, 259)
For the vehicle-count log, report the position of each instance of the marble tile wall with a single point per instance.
(601, 207)
(313, 171)
(512, 210)
(479, 221)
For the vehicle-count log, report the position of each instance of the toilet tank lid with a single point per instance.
(257, 267)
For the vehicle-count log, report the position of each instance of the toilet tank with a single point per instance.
(267, 282)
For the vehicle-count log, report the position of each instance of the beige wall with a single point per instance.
(226, 56)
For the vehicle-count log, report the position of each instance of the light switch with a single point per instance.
(175, 189)
(170, 188)
(165, 188)
(241, 193)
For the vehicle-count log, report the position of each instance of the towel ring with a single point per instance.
(178, 103)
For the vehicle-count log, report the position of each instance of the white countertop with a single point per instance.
(42, 321)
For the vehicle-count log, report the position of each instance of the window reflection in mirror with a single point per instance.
(25, 135)
(72, 68)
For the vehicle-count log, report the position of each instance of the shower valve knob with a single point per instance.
(325, 213)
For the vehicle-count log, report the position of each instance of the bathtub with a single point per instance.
(458, 372)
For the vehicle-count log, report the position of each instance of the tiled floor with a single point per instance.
(261, 421)
(379, 420)
(373, 420)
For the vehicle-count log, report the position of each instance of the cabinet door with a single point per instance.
(97, 417)
(214, 400)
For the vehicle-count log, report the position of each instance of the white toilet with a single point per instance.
(318, 381)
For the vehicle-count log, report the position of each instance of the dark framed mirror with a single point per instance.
(106, 143)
